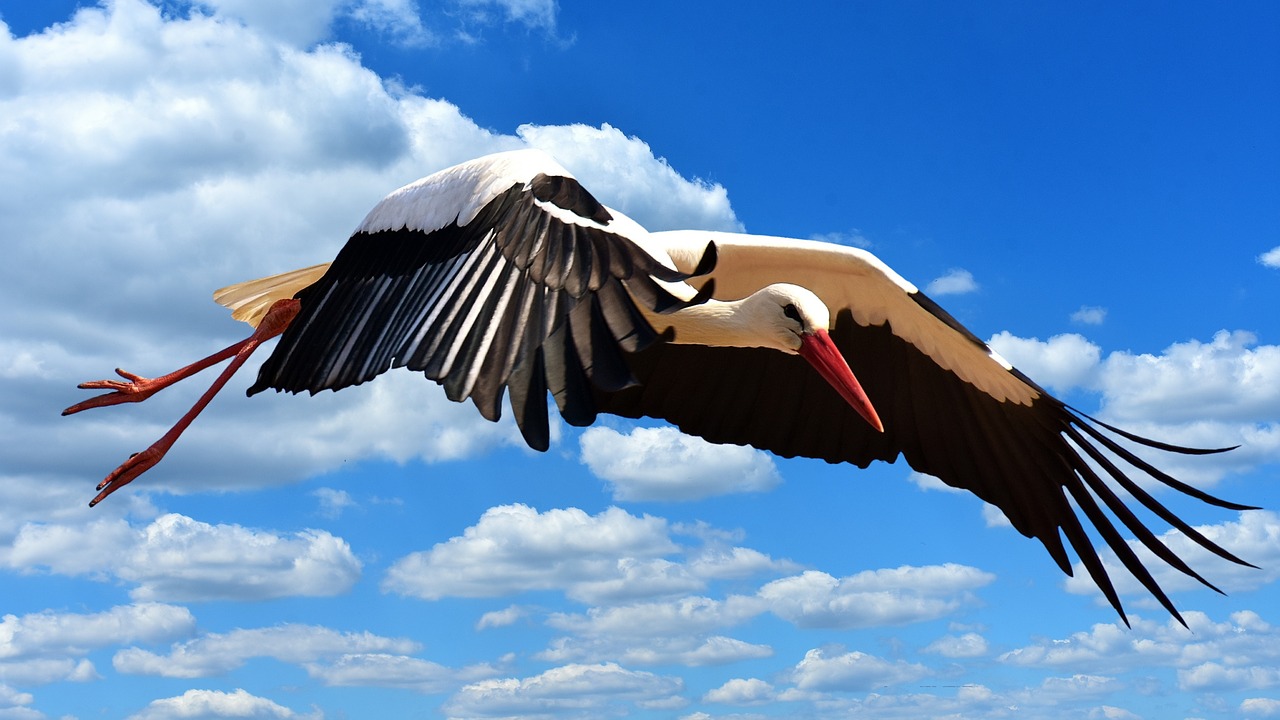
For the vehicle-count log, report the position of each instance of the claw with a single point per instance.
(137, 389)
(129, 470)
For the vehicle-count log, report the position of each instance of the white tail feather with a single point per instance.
(249, 300)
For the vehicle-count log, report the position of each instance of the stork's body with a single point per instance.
(505, 276)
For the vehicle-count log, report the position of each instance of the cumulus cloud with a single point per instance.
(48, 670)
(874, 597)
(394, 671)
(687, 616)
(500, 618)
(296, 21)
(1271, 258)
(956, 281)
(571, 690)
(515, 548)
(1061, 363)
(1234, 654)
(623, 172)
(967, 645)
(1213, 676)
(179, 558)
(852, 671)
(1229, 378)
(218, 704)
(665, 464)
(1258, 706)
(612, 556)
(218, 653)
(49, 634)
(697, 650)
(741, 691)
(1221, 393)
(150, 156)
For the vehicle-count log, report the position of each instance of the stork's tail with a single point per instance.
(249, 300)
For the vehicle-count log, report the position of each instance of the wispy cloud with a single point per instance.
(1089, 315)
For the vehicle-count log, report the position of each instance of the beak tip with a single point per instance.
(822, 353)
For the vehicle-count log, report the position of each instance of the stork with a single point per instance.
(503, 275)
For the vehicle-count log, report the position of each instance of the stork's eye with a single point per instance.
(791, 311)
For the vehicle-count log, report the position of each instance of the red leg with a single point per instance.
(274, 323)
(140, 388)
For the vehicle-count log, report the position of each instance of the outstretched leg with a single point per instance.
(139, 388)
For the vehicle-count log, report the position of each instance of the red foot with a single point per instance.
(136, 390)
(129, 471)
(139, 388)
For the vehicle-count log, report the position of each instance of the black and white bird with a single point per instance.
(503, 275)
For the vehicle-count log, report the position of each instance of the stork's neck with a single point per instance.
(728, 323)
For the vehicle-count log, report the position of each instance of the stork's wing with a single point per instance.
(502, 273)
(949, 405)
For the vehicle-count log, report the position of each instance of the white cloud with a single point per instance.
(14, 704)
(1089, 315)
(1212, 676)
(873, 598)
(1209, 653)
(1222, 393)
(665, 464)
(1260, 707)
(333, 502)
(685, 617)
(695, 650)
(515, 548)
(153, 159)
(1271, 258)
(300, 22)
(968, 645)
(1109, 712)
(178, 558)
(217, 704)
(500, 618)
(956, 281)
(740, 691)
(218, 653)
(48, 670)
(568, 691)
(533, 13)
(623, 172)
(1062, 363)
(1230, 378)
(397, 19)
(50, 634)
(852, 671)
(395, 671)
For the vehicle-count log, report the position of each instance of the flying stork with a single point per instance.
(504, 275)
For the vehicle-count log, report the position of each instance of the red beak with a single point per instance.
(823, 355)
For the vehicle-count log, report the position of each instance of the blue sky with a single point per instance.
(1095, 188)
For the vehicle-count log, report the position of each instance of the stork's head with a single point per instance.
(796, 321)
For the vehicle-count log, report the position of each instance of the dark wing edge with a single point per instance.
(1029, 461)
(521, 298)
